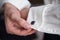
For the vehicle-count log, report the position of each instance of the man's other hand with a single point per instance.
(15, 21)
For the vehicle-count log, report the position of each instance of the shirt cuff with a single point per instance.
(20, 4)
(35, 18)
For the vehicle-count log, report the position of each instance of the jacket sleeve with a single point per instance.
(20, 4)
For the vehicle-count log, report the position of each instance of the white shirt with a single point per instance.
(45, 19)
(20, 4)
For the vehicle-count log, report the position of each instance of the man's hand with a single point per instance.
(15, 21)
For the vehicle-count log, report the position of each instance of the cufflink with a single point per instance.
(32, 23)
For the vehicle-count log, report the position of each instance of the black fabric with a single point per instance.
(51, 37)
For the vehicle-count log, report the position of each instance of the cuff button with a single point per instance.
(32, 23)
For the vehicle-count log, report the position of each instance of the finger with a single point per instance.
(23, 32)
(19, 32)
(12, 12)
(30, 33)
(14, 30)
(24, 24)
(24, 13)
(9, 25)
(11, 29)
(21, 28)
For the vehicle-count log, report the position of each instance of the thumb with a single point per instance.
(23, 23)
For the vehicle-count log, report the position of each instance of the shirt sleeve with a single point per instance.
(45, 19)
(20, 4)
(35, 17)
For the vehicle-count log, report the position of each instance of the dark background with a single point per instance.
(37, 2)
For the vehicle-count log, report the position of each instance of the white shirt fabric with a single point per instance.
(35, 14)
(20, 4)
(47, 18)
